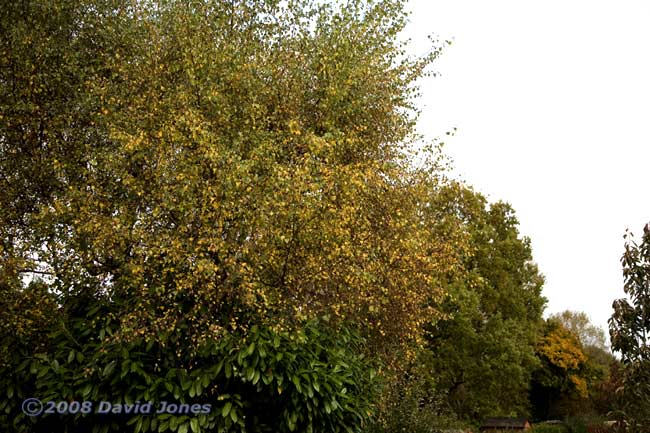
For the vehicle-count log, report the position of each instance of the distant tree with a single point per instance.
(579, 323)
(629, 329)
(563, 377)
(595, 371)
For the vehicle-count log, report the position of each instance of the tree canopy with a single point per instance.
(227, 203)
(185, 182)
(580, 325)
(482, 353)
(213, 164)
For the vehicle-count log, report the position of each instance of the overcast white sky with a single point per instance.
(552, 104)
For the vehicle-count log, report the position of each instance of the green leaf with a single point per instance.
(108, 370)
(219, 367)
(296, 382)
(226, 409)
(138, 426)
(85, 391)
(185, 383)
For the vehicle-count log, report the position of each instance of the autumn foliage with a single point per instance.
(213, 165)
(226, 202)
(194, 173)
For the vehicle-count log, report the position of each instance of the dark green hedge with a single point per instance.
(313, 379)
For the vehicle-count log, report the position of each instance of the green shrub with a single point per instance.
(310, 380)
(411, 405)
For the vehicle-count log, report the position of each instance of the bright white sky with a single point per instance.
(552, 104)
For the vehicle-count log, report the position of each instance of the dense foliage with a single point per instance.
(310, 380)
(600, 369)
(204, 174)
(563, 371)
(630, 332)
(482, 353)
(217, 163)
(577, 372)
(218, 203)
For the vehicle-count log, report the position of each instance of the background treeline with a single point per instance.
(225, 203)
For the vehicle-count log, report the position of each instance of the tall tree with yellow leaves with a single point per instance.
(179, 175)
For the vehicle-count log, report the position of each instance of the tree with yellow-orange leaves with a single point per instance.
(563, 375)
(218, 164)
(176, 174)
